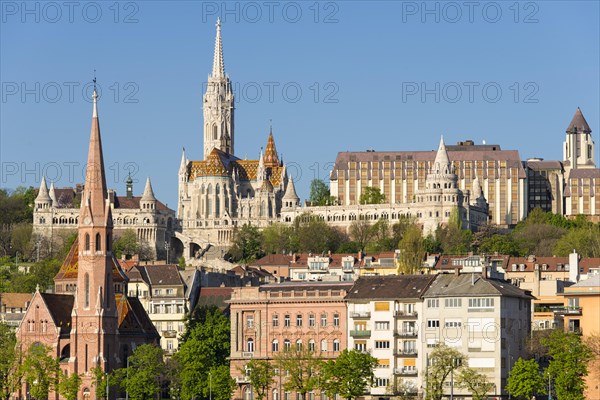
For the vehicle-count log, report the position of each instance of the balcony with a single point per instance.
(242, 379)
(406, 352)
(169, 334)
(405, 314)
(405, 333)
(247, 354)
(360, 314)
(360, 333)
(406, 371)
(565, 310)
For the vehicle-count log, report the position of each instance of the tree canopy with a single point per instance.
(525, 379)
(349, 375)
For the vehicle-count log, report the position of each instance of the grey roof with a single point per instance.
(447, 285)
(591, 281)
(584, 173)
(390, 287)
(578, 123)
(290, 286)
(163, 274)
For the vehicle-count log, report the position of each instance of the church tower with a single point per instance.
(218, 105)
(578, 148)
(94, 315)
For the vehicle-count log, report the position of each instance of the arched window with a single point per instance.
(275, 394)
(311, 345)
(215, 132)
(86, 290)
(87, 242)
(275, 345)
(336, 345)
(299, 345)
(287, 345)
(250, 345)
(98, 242)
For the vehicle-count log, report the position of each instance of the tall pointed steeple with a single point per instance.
(578, 147)
(183, 163)
(52, 194)
(148, 192)
(290, 198)
(260, 171)
(218, 105)
(218, 63)
(43, 192)
(442, 162)
(271, 159)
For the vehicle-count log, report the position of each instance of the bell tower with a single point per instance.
(218, 105)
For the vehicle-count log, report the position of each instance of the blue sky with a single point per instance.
(386, 75)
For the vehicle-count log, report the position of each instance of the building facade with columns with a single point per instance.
(56, 214)
(431, 204)
(223, 191)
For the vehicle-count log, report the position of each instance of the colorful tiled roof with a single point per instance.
(70, 266)
(270, 157)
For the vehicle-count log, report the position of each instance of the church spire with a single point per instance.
(218, 64)
(43, 198)
(271, 159)
(441, 165)
(95, 179)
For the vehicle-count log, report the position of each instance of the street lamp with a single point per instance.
(549, 387)
(210, 385)
(167, 247)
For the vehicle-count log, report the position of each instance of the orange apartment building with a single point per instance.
(271, 318)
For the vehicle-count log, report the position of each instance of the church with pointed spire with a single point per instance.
(223, 191)
(89, 321)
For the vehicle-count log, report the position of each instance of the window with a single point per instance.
(287, 321)
(311, 345)
(275, 394)
(336, 319)
(324, 345)
(86, 285)
(170, 292)
(433, 303)
(275, 320)
(382, 382)
(323, 319)
(287, 345)
(299, 345)
(433, 323)
(453, 303)
(382, 344)
(483, 302)
(382, 325)
(87, 242)
(452, 324)
(250, 345)
(311, 320)
(98, 242)
(382, 306)
(336, 345)
(250, 321)
(275, 345)
(360, 345)
(299, 320)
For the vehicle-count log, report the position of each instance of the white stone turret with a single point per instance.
(218, 105)
(43, 199)
(260, 171)
(290, 198)
(52, 194)
(148, 200)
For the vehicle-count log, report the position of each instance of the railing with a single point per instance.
(360, 333)
(405, 314)
(360, 314)
(566, 310)
(406, 352)
(405, 333)
(406, 371)
(169, 334)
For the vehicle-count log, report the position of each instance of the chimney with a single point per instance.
(574, 266)
(360, 255)
(294, 258)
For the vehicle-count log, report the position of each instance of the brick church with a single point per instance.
(89, 321)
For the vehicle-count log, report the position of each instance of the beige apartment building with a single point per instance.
(268, 319)
(486, 319)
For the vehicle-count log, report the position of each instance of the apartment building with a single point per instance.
(384, 319)
(486, 319)
(268, 319)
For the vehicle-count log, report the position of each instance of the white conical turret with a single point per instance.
(290, 198)
(183, 163)
(148, 201)
(441, 165)
(260, 172)
(52, 194)
(43, 199)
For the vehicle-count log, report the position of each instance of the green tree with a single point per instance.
(99, 381)
(586, 240)
(316, 236)
(40, 370)
(126, 244)
(205, 346)
(246, 244)
(502, 244)
(220, 383)
(260, 373)
(569, 357)
(477, 384)
(525, 379)
(68, 386)
(443, 360)
(142, 379)
(301, 370)
(319, 193)
(278, 238)
(348, 375)
(538, 239)
(361, 232)
(371, 195)
(385, 238)
(412, 250)
(8, 357)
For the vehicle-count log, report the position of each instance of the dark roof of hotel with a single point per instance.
(390, 287)
(446, 285)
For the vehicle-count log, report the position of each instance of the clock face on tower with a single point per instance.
(87, 221)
